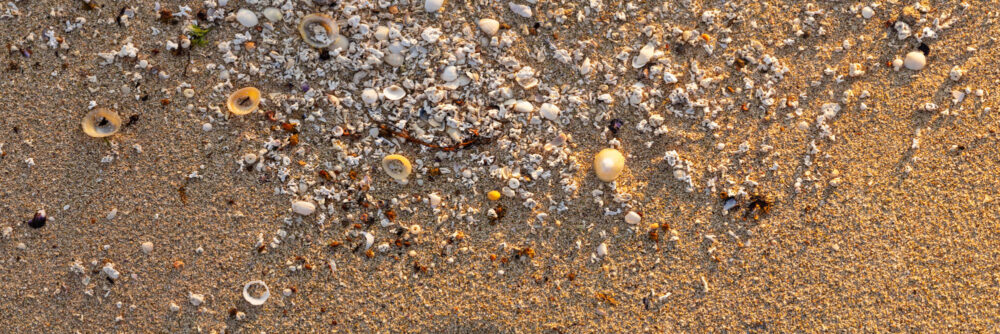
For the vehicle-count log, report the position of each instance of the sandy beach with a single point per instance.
(789, 166)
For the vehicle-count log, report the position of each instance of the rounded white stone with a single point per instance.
(206, 127)
(369, 96)
(632, 218)
(867, 12)
(272, 14)
(303, 208)
(246, 17)
(432, 6)
(602, 250)
(608, 164)
(450, 73)
(915, 60)
(147, 247)
(549, 111)
(489, 26)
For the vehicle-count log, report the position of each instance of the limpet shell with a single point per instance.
(244, 101)
(393, 92)
(397, 166)
(256, 301)
(101, 122)
(608, 164)
(308, 25)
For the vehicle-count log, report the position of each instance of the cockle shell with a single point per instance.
(318, 30)
(244, 101)
(397, 166)
(101, 123)
(393, 93)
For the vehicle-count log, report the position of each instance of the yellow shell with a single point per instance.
(493, 195)
(397, 166)
(244, 101)
(309, 22)
(101, 122)
(608, 164)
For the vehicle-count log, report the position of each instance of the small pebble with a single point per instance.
(632, 218)
(956, 73)
(549, 111)
(867, 12)
(174, 307)
(602, 250)
(189, 93)
(522, 10)
(493, 195)
(303, 208)
(206, 127)
(915, 60)
(196, 299)
(147, 247)
(246, 17)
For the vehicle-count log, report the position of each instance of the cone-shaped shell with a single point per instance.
(307, 24)
(397, 166)
(244, 101)
(608, 164)
(101, 123)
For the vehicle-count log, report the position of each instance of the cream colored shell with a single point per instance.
(244, 101)
(397, 166)
(307, 23)
(608, 164)
(101, 122)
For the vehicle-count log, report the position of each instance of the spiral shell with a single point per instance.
(101, 123)
(244, 101)
(309, 25)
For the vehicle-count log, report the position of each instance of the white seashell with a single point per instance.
(915, 60)
(369, 240)
(523, 106)
(632, 218)
(669, 77)
(393, 59)
(318, 30)
(434, 199)
(522, 10)
(341, 42)
(867, 12)
(645, 55)
(549, 111)
(101, 122)
(303, 208)
(246, 17)
(432, 6)
(450, 73)
(382, 33)
(393, 93)
(273, 14)
(109, 270)
(602, 250)
(369, 96)
(608, 164)
(489, 26)
(259, 300)
(397, 166)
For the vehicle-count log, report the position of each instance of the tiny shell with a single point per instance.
(101, 123)
(303, 208)
(394, 59)
(397, 166)
(393, 93)
(244, 101)
(256, 301)
(311, 24)
(432, 6)
(645, 55)
(608, 164)
(489, 26)
(915, 60)
(632, 218)
(369, 96)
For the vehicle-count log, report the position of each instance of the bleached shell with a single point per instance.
(489, 26)
(608, 164)
(397, 166)
(303, 208)
(523, 106)
(369, 96)
(259, 300)
(915, 60)
(246, 17)
(645, 55)
(393, 59)
(273, 14)
(549, 111)
(393, 93)
(341, 42)
(382, 33)
(450, 73)
(243, 101)
(432, 6)
(306, 26)
(101, 122)
(519, 9)
(632, 218)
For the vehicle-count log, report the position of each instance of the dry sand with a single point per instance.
(888, 250)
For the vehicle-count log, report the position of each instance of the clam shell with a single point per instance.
(307, 28)
(397, 166)
(101, 123)
(256, 301)
(244, 101)
(393, 93)
(608, 164)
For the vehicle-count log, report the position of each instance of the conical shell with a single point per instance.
(608, 164)
(244, 101)
(101, 123)
(397, 166)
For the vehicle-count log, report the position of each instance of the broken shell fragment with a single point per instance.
(393, 93)
(244, 101)
(608, 164)
(259, 300)
(101, 123)
(645, 55)
(397, 166)
(318, 30)
(369, 96)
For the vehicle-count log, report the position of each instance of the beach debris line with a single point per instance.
(262, 296)
(101, 122)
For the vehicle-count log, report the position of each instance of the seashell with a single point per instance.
(318, 30)
(273, 14)
(645, 55)
(303, 208)
(915, 60)
(382, 33)
(549, 111)
(393, 93)
(632, 218)
(519, 9)
(39, 220)
(432, 6)
(341, 42)
(369, 240)
(101, 123)
(369, 96)
(393, 59)
(523, 106)
(259, 300)
(489, 26)
(450, 73)
(244, 101)
(397, 166)
(608, 164)
(246, 17)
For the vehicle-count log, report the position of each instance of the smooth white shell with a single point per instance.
(632, 218)
(608, 164)
(432, 6)
(549, 111)
(523, 106)
(246, 17)
(256, 301)
(450, 73)
(273, 14)
(393, 93)
(522, 10)
(644, 56)
(303, 208)
(369, 96)
(393, 59)
(489, 26)
(915, 60)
